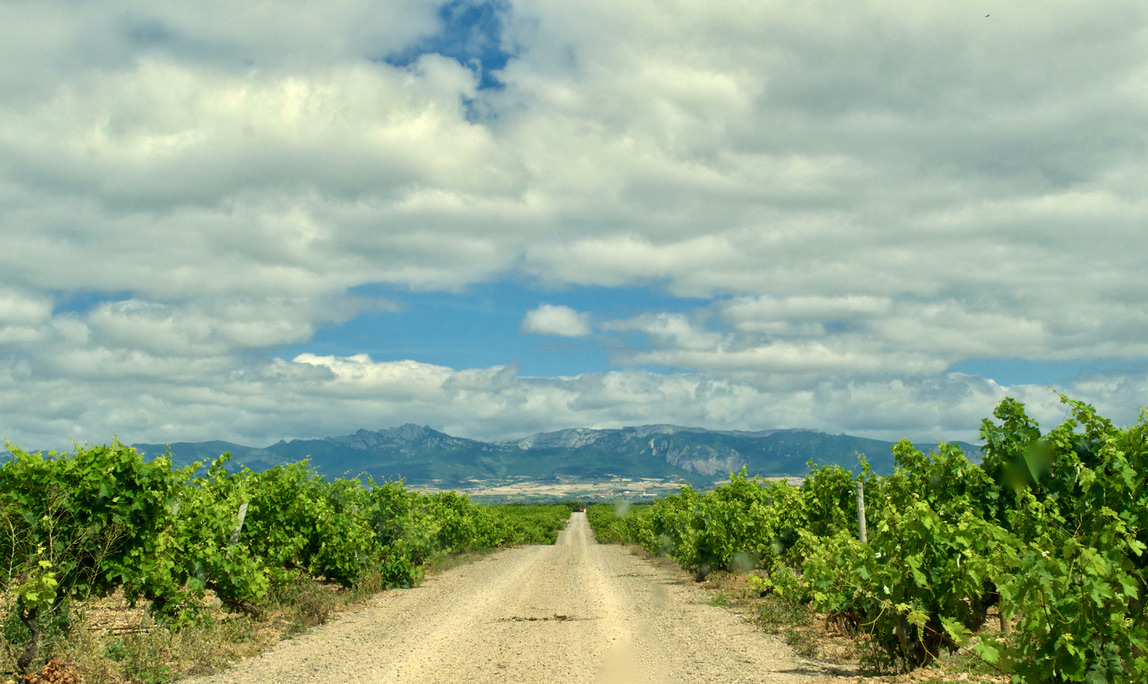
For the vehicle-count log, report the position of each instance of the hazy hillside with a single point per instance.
(420, 454)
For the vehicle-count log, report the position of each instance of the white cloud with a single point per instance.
(314, 396)
(674, 330)
(21, 317)
(759, 314)
(550, 319)
(173, 134)
(864, 200)
(17, 308)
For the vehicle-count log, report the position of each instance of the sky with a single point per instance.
(296, 219)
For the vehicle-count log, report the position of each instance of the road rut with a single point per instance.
(573, 612)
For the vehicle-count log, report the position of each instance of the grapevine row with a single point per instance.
(79, 526)
(1050, 528)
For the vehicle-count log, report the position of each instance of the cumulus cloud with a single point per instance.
(794, 340)
(257, 403)
(550, 319)
(861, 203)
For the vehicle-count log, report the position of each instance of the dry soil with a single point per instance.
(574, 612)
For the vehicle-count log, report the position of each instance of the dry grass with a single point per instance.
(157, 653)
(111, 642)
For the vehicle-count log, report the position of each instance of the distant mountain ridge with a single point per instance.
(421, 455)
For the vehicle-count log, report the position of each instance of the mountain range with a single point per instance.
(424, 456)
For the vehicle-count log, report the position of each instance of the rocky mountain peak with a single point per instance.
(572, 438)
(408, 432)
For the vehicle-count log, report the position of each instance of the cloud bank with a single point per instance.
(861, 198)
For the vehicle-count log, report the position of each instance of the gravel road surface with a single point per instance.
(574, 612)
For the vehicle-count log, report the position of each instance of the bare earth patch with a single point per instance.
(573, 612)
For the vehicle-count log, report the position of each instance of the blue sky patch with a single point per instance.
(83, 301)
(469, 32)
(1023, 372)
(480, 327)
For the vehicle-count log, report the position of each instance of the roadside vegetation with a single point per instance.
(117, 569)
(1028, 566)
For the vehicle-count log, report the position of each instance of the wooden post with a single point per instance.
(239, 527)
(861, 532)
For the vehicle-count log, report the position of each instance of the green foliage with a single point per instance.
(919, 585)
(535, 524)
(827, 501)
(927, 575)
(1054, 528)
(412, 529)
(1081, 516)
(38, 592)
(738, 526)
(100, 517)
(82, 525)
(203, 556)
(608, 521)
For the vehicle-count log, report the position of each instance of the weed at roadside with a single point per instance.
(774, 614)
(367, 584)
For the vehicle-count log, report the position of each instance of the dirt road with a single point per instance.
(574, 612)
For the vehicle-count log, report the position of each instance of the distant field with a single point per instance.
(522, 490)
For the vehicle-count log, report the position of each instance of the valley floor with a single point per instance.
(624, 488)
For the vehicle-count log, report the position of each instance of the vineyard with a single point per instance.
(1049, 531)
(1045, 537)
(77, 527)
